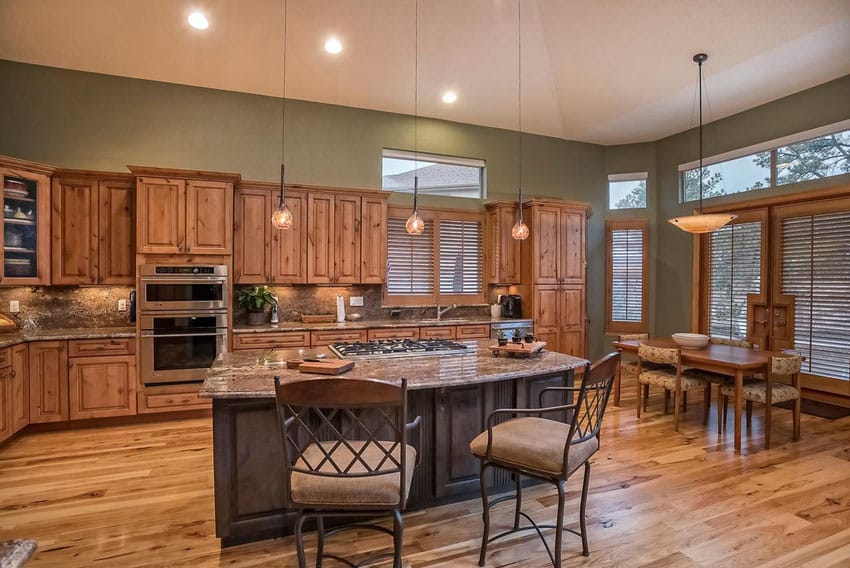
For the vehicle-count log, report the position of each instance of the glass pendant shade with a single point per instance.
(701, 222)
(415, 224)
(520, 230)
(282, 216)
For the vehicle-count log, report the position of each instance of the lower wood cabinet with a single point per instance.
(101, 387)
(443, 332)
(271, 340)
(394, 333)
(5, 403)
(326, 337)
(20, 387)
(48, 381)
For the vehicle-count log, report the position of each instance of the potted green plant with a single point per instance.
(517, 336)
(502, 337)
(255, 299)
(529, 337)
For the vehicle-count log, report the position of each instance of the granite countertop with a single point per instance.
(22, 336)
(16, 553)
(249, 374)
(372, 324)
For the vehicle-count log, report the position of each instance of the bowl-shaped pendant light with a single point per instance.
(282, 216)
(701, 222)
(520, 230)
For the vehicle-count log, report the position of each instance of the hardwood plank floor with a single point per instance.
(141, 495)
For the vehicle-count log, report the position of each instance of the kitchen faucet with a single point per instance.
(441, 311)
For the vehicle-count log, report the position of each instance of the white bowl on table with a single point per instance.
(690, 340)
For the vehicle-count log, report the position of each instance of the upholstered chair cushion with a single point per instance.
(534, 444)
(756, 391)
(784, 366)
(667, 379)
(663, 355)
(381, 490)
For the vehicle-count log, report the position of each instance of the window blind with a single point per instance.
(734, 271)
(627, 278)
(410, 260)
(461, 267)
(816, 271)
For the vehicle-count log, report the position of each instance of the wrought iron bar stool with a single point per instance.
(346, 455)
(547, 450)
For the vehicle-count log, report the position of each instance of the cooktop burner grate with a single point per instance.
(397, 348)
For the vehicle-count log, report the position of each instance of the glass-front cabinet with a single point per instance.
(26, 224)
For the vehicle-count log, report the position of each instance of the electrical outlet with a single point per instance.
(14, 306)
(356, 301)
(122, 305)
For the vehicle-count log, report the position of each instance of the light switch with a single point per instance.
(356, 301)
(14, 306)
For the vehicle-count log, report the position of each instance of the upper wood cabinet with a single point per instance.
(373, 241)
(93, 233)
(556, 247)
(183, 216)
(502, 251)
(263, 254)
(25, 234)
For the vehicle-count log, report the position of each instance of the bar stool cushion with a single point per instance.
(756, 391)
(667, 379)
(376, 490)
(536, 444)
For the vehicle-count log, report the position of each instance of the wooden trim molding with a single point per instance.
(151, 171)
(20, 164)
(840, 190)
(614, 327)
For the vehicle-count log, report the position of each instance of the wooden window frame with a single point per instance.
(616, 327)
(435, 216)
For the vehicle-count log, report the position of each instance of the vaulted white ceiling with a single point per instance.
(604, 71)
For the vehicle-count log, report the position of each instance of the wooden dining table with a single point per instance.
(723, 359)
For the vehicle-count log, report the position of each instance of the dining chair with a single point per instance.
(346, 455)
(628, 365)
(546, 449)
(664, 370)
(720, 379)
(770, 392)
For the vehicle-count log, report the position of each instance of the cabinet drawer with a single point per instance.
(473, 331)
(5, 358)
(171, 402)
(394, 333)
(334, 336)
(445, 332)
(96, 347)
(271, 340)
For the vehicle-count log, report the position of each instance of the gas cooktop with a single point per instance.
(397, 348)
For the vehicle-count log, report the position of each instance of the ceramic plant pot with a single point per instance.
(257, 318)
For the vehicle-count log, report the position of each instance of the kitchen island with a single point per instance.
(452, 393)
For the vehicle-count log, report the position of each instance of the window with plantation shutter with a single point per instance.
(734, 271)
(461, 266)
(816, 272)
(410, 260)
(626, 285)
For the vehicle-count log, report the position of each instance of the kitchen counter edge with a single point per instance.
(18, 337)
(372, 324)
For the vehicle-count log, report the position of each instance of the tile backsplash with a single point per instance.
(56, 307)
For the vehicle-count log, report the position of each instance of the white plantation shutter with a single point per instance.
(816, 271)
(627, 278)
(734, 272)
(461, 266)
(410, 260)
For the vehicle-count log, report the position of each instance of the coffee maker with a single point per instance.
(511, 306)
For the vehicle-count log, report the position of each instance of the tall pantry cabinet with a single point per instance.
(554, 273)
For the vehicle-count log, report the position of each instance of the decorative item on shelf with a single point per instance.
(691, 340)
(14, 239)
(14, 184)
(701, 222)
(354, 317)
(520, 230)
(18, 214)
(529, 337)
(282, 216)
(18, 267)
(516, 335)
(7, 324)
(7, 211)
(502, 338)
(519, 349)
(415, 225)
(254, 300)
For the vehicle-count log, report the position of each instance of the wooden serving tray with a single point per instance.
(518, 349)
(332, 367)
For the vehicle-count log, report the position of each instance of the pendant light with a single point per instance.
(282, 217)
(520, 230)
(415, 225)
(701, 222)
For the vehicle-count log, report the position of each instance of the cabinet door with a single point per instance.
(545, 231)
(289, 247)
(503, 250)
(102, 386)
(546, 305)
(320, 238)
(117, 233)
(20, 387)
(572, 321)
(373, 244)
(25, 235)
(209, 217)
(161, 223)
(48, 381)
(571, 248)
(347, 249)
(461, 414)
(75, 231)
(5, 403)
(251, 233)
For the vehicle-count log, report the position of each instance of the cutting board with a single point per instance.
(518, 349)
(332, 367)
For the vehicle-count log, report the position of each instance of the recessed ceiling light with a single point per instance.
(449, 97)
(333, 45)
(198, 21)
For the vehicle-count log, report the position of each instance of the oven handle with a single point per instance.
(154, 334)
(196, 280)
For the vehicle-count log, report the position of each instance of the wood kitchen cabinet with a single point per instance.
(102, 386)
(48, 368)
(25, 235)
(559, 318)
(263, 254)
(333, 239)
(183, 216)
(20, 387)
(373, 235)
(92, 229)
(502, 251)
(6, 428)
